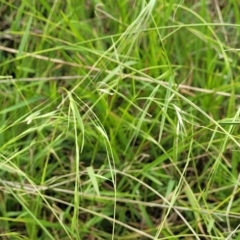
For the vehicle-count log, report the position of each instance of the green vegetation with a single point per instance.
(119, 119)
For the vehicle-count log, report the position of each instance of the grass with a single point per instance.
(119, 120)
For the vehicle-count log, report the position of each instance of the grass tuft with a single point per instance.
(119, 120)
